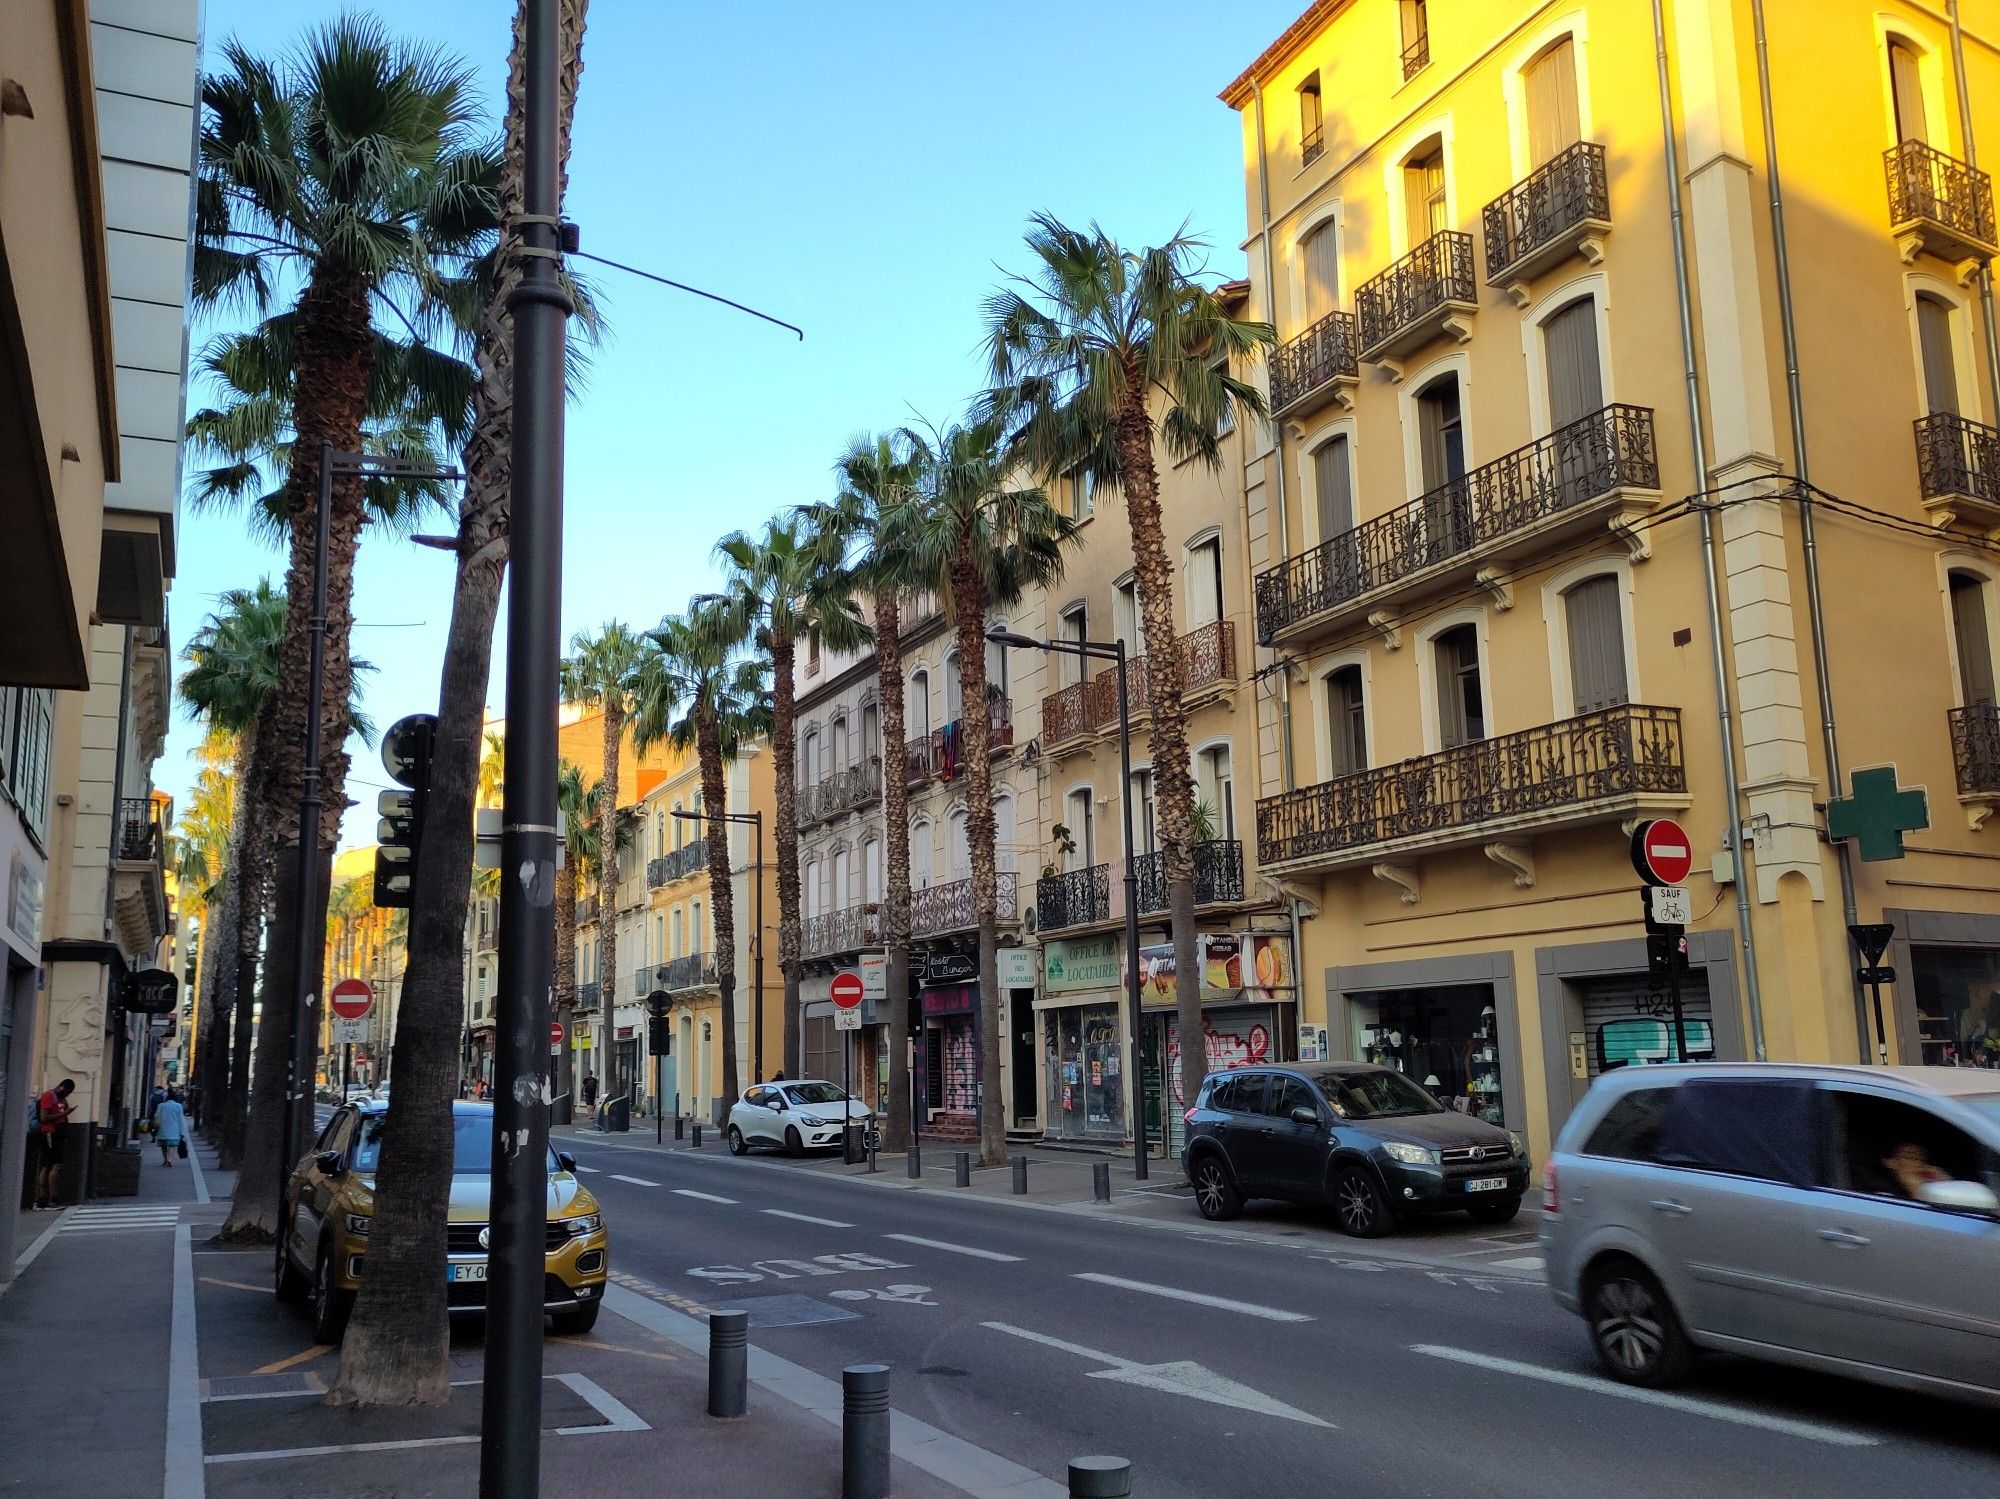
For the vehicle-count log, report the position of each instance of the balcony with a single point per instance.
(689, 972)
(1417, 54)
(1316, 367)
(1975, 749)
(1613, 763)
(586, 910)
(1958, 470)
(1075, 897)
(1938, 205)
(1312, 146)
(1563, 209)
(1208, 661)
(841, 792)
(1066, 714)
(689, 858)
(940, 755)
(920, 760)
(588, 995)
(488, 940)
(1601, 471)
(1218, 875)
(1426, 295)
(139, 876)
(843, 931)
(949, 907)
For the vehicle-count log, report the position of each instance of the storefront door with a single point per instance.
(1085, 1078)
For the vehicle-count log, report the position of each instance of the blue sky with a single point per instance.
(864, 170)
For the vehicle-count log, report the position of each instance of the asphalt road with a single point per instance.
(1227, 1365)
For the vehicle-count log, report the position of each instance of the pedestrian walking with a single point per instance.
(590, 1090)
(51, 1114)
(170, 1128)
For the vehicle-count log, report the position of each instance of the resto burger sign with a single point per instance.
(1234, 965)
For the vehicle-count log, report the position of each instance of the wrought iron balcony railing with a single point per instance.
(1208, 659)
(950, 907)
(1428, 292)
(920, 759)
(1218, 875)
(1075, 897)
(1939, 203)
(1503, 501)
(942, 753)
(140, 840)
(1066, 713)
(1417, 54)
(842, 791)
(656, 873)
(1958, 467)
(1585, 765)
(1312, 146)
(488, 940)
(842, 931)
(689, 858)
(1975, 748)
(687, 972)
(1556, 212)
(586, 910)
(588, 994)
(1308, 371)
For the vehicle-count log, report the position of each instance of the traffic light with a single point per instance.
(659, 1039)
(406, 755)
(1666, 953)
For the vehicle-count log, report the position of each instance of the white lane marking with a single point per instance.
(637, 1181)
(806, 1218)
(33, 1251)
(280, 1453)
(1174, 1293)
(618, 1416)
(977, 1254)
(183, 1457)
(200, 1181)
(593, 1170)
(1522, 1262)
(1685, 1404)
(702, 1196)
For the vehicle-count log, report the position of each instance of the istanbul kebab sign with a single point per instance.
(1251, 966)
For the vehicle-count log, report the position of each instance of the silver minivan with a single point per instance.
(1841, 1218)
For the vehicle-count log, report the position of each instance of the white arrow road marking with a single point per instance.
(1174, 1293)
(637, 1181)
(1812, 1432)
(978, 1254)
(1182, 1377)
(703, 1196)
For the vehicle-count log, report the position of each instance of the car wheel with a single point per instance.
(574, 1324)
(1495, 1210)
(1637, 1333)
(1358, 1205)
(1214, 1193)
(737, 1146)
(330, 1304)
(795, 1144)
(291, 1286)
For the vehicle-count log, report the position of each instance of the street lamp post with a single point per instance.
(1114, 651)
(755, 822)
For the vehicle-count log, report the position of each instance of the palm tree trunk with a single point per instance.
(607, 894)
(218, 982)
(784, 757)
(896, 889)
(565, 986)
(976, 734)
(721, 894)
(253, 864)
(1173, 784)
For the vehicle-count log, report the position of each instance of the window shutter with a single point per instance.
(1333, 488)
(1907, 94)
(1204, 584)
(1596, 645)
(1975, 642)
(1441, 440)
(1934, 339)
(1553, 121)
(1322, 267)
(1569, 344)
(1347, 734)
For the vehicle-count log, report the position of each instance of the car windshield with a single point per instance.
(471, 1144)
(1379, 1095)
(814, 1093)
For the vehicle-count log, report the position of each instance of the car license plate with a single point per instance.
(466, 1272)
(1486, 1184)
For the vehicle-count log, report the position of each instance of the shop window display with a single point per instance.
(1086, 1080)
(1446, 1038)
(1958, 1005)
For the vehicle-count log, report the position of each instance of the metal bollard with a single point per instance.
(915, 1160)
(864, 1431)
(1020, 1175)
(697, 1134)
(1100, 1181)
(1099, 1478)
(873, 1141)
(680, 1126)
(961, 1169)
(728, 1363)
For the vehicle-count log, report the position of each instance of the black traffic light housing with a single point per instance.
(1666, 953)
(659, 1039)
(406, 755)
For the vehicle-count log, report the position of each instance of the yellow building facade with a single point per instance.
(1529, 553)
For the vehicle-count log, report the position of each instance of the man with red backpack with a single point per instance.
(52, 1113)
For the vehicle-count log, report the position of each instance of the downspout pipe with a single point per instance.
(1725, 713)
(1794, 400)
(1972, 161)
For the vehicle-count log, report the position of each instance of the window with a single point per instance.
(1441, 433)
(954, 689)
(1461, 701)
(28, 765)
(1906, 92)
(1934, 341)
(871, 733)
(1204, 582)
(1569, 352)
(695, 933)
(1972, 632)
(841, 896)
(1144, 813)
(871, 870)
(1003, 831)
(836, 748)
(1883, 1147)
(1225, 413)
(1215, 785)
(1333, 487)
(917, 704)
(809, 891)
(1125, 615)
(1320, 252)
(920, 855)
(812, 653)
(1074, 625)
(1078, 808)
(1741, 1127)
(1081, 489)
(1630, 1128)
(1596, 645)
(1423, 181)
(996, 663)
(959, 850)
(1240, 1095)
(1553, 123)
(1347, 724)
(680, 937)
(809, 758)
(1312, 131)
(1416, 37)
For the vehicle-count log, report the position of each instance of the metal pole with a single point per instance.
(728, 1364)
(847, 1095)
(659, 1113)
(1674, 995)
(1881, 1035)
(864, 1431)
(1139, 1164)
(757, 980)
(1099, 1478)
(510, 1444)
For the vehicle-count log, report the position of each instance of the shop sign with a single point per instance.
(1017, 967)
(1253, 966)
(949, 968)
(1312, 1044)
(956, 999)
(1081, 963)
(874, 970)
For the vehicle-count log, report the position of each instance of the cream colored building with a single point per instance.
(1505, 631)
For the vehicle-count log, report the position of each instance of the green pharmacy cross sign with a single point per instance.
(1878, 813)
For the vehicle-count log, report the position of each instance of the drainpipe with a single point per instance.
(1726, 716)
(1972, 161)
(1815, 604)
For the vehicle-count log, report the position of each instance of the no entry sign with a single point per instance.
(350, 998)
(846, 991)
(1662, 852)
(555, 1033)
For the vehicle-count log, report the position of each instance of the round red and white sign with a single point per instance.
(351, 998)
(1662, 852)
(846, 990)
(555, 1033)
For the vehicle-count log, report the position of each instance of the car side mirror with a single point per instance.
(1304, 1115)
(565, 1160)
(328, 1162)
(778, 1104)
(1961, 1197)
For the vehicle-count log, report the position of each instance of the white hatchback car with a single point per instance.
(799, 1115)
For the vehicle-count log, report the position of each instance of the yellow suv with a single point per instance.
(330, 1199)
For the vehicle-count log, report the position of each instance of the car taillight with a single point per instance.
(1551, 1197)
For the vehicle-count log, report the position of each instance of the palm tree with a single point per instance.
(980, 545)
(492, 768)
(579, 857)
(876, 475)
(782, 586)
(202, 845)
(694, 691)
(1082, 353)
(600, 673)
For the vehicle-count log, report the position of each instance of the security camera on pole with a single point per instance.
(1663, 856)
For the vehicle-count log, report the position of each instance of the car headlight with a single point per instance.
(813, 1119)
(1520, 1145)
(583, 1223)
(357, 1225)
(1410, 1155)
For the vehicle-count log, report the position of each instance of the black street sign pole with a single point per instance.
(1872, 937)
(510, 1439)
(1674, 995)
(659, 1111)
(847, 1093)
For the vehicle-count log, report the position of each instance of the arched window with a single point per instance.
(954, 688)
(1346, 722)
(1319, 256)
(917, 704)
(680, 937)
(696, 937)
(871, 733)
(1204, 565)
(1906, 91)
(1460, 693)
(1570, 356)
(1424, 192)
(1596, 632)
(1333, 486)
(920, 854)
(1003, 831)
(1553, 123)
(871, 870)
(809, 766)
(809, 891)
(1935, 327)
(836, 748)
(841, 896)
(1972, 632)
(959, 849)
(1215, 785)
(1078, 817)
